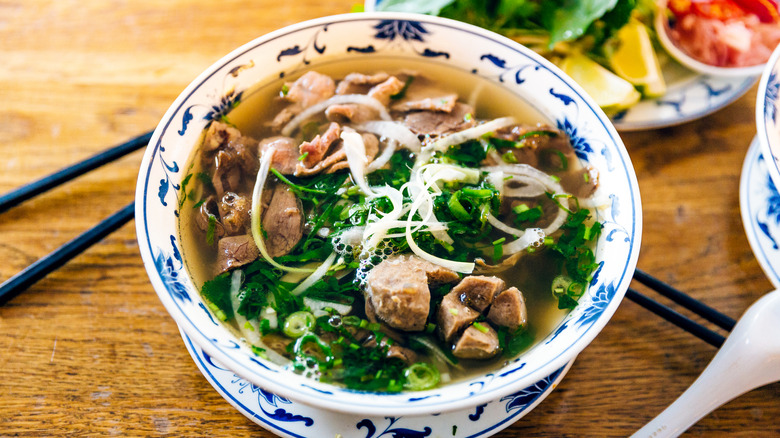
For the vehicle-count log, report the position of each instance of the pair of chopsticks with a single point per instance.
(45, 265)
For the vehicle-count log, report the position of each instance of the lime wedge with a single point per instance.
(610, 92)
(635, 60)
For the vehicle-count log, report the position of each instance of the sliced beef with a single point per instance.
(282, 221)
(235, 251)
(359, 83)
(307, 90)
(231, 156)
(350, 113)
(508, 309)
(337, 160)
(384, 90)
(234, 213)
(316, 149)
(476, 343)
(438, 123)
(478, 291)
(453, 316)
(286, 153)
(209, 209)
(399, 293)
(311, 88)
(509, 262)
(444, 103)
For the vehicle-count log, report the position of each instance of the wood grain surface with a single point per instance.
(90, 350)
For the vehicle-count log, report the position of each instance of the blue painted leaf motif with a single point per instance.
(169, 274)
(712, 92)
(772, 213)
(601, 300)
(521, 400)
(478, 411)
(203, 307)
(227, 103)
(367, 49)
(270, 397)
(580, 144)
(428, 53)
(408, 30)
(771, 96)
(498, 62)
(185, 120)
(506, 373)
(162, 191)
(369, 425)
(176, 253)
(558, 331)
(676, 104)
(288, 52)
(399, 432)
(562, 97)
(282, 415)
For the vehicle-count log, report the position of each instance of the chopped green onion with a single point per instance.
(509, 157)
(421, 376)
(402, 93)
(298, 324)
(456, 208)
(480, 327)
(454, 311)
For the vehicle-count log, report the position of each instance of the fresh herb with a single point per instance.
(470, 153)
(400, 95)
(217, 291)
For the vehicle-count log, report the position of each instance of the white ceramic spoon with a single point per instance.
(749, 358)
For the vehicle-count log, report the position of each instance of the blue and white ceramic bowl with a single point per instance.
(768, 115)
(400, 37)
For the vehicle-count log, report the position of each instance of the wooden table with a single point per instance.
(90, 351)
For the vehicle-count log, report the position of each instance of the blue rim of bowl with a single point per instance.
(316, 390)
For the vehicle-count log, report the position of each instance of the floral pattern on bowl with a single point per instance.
(357, 36)
(760, 209)
(768, 115)
(290, 419)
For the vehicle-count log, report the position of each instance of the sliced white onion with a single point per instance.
(257, 211)
(356, 158)
(531, 237)
(384, 157)
(316, 275)
(375, 232)
(532, 188)
(360, 99)
(476, 132)
(318, 307)
(393, 130)
(268, 313)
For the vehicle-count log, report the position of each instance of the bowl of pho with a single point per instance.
(388, 215)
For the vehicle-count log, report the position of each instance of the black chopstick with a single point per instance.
(35, 188)
(43, 266)
(723, 321)
(676, 318)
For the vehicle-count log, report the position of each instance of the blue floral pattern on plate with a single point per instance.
(304, 46)
(760, 209)
(290, 419)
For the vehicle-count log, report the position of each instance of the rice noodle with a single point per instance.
(360, 99)
(257, 211)
(476, 132)
(316, 275)
(356, 158)
(393, 130)
(384, 157)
